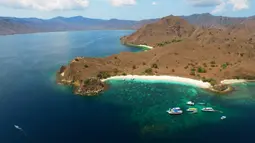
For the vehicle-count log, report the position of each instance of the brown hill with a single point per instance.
(182, 49)
(165, 29)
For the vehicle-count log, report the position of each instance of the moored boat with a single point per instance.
(174, 111)
(223, 117)
(190, 103)
(192, 109)
(208, 109)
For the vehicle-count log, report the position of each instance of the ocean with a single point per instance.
(129, 111)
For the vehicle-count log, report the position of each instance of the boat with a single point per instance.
(192, 109)
(223, 117)
(208, 109)
(174, 111)
(190, 103)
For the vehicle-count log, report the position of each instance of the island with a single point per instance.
(208, 57)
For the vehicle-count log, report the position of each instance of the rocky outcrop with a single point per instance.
(222, 88)
(90, 87)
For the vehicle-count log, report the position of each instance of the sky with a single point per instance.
(124, 9)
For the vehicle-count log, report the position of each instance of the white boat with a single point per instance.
(192, 109)
(174, 111)
(223, 117)
(208, 109)
(190, 103)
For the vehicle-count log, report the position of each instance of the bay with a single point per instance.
(131, 111)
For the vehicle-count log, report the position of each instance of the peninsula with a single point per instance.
(209, 57)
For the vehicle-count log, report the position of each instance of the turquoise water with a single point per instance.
(130, 111)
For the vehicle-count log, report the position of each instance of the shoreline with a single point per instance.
(167, 78)
(234, 81)
(183, 80)
(139, 46)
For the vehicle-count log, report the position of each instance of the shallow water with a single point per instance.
(131, 111)
(150, 100)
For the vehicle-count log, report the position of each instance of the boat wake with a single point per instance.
(218, 111)
(20, 129)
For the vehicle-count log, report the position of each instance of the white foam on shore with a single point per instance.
(233, 81)
(145, 46)
(197, 83)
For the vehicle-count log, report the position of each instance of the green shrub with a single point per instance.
(154, 66)
(201, 70)
(193, 69)
(86, 66)
(225, 65)
(124, 74)
(210, 80)
(134, 67)
(103, 75)
(160, 44)
(148, 71)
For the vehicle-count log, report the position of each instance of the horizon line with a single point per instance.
(122, 19)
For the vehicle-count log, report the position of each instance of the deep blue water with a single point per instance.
(128, 112)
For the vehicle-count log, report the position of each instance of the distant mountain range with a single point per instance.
(11, 25)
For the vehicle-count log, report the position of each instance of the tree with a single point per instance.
(201, 70)
(103, 75)
(154, 66)
(86, 66)
(148, 71)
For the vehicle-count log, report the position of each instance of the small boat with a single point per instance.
(201, 103)
(190, 103)
(208, 109)
(174, 111)
(192, 110)
(223, 117)
(17, 127)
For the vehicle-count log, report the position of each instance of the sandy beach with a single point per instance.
(233, 81)
(197, 83)
(145, 46)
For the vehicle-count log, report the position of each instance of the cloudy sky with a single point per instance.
(124, 9)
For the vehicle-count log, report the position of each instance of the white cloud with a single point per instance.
(154, 3)
(46, 5)
(239, 4)
(219, 8)
(235, 4)
(122, 2)
(204, 3)
(221, 5)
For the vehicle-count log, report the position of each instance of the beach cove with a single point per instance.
(128, 111)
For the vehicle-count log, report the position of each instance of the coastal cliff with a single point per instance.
(179, 49)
